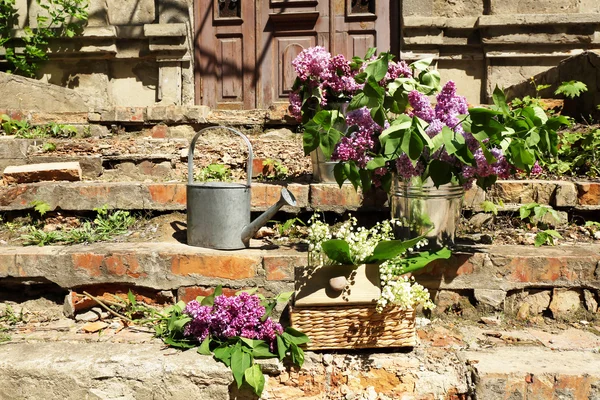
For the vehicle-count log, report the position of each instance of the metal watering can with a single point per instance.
(218, 213)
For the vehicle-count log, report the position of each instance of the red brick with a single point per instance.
(190, 293)
(168, 193)
(588, 193)
(129, 114)
(218, 266)
(577, 385)
(124, 265)
(281, 268)
(327, 195)
(160, 131)
(90, 263)
(260, 167)
(541, 387)
(264, 195)
(59, 171)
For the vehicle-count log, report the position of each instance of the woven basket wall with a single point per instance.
(354, 326)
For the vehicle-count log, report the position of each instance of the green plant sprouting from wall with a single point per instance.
(25, 49)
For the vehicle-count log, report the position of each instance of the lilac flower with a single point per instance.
(449, 106)
(313, 63)
(434, 127)
(359, 143)
(406, 169)
(295, 106)
(500, 168)
(396, 70)
(421, 106)
(231, 316)
(536, 169)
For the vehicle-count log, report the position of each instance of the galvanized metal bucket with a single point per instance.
(423, 207)
(322, 170)
(217, 211)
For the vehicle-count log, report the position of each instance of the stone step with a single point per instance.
(561, 280)
(450, 361)
(172, 196)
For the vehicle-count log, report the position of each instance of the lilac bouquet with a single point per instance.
(235, 330)
(390, 128)
(229, 317)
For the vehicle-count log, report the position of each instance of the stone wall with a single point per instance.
(131, 53)
(140, 52)
(484, 43)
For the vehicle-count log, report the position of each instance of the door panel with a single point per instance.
(225, 62)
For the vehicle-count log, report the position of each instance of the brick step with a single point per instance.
(451, 361)
(159, 158)
(562, 280)
(171, 196)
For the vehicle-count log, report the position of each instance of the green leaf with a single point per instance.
(131, 298)
(281, 348)
(378, 68)
(571, 89)
(210, 300)
(262, 350)
(255, 378)
(204, 348)
(422, 64)
(422, 259)
(440, 172)
(223, 353)
(500, 100)
(376, 162)
(180, 344)
(337, 250)
(284, 297)
(389, 249)
(295, 336)
(297, 354)
(489, 207)
(370, 52)
(339, 173)
(240, 360)
(365, 179)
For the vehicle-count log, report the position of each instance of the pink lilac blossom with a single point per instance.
(313, 63)
(296, 106)
(359, 143)
(396, 70)
(406, 169)
(536, 169)
(231, 316)
(421, 106)
(500, 168)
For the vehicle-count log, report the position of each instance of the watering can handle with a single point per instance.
(193, 144)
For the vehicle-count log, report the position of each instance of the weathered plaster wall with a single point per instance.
(132, 53)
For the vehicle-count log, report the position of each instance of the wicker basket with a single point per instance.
(354, 326)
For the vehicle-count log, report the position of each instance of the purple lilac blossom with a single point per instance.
(406, 169)
(500, 168)
(357, 146)
(421, 106)
(313, 63)
(536, 169)
(231, 316)
(295, 107)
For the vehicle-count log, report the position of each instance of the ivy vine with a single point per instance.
(24, 50)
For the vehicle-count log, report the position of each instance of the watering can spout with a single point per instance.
(286, 198)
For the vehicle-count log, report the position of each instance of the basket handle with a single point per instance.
(193, 144)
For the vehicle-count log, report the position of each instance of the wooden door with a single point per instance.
(245, 48)
(361, 24)
(225, 54)
(286, 27)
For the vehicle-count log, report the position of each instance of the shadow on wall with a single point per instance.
(583, 67)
